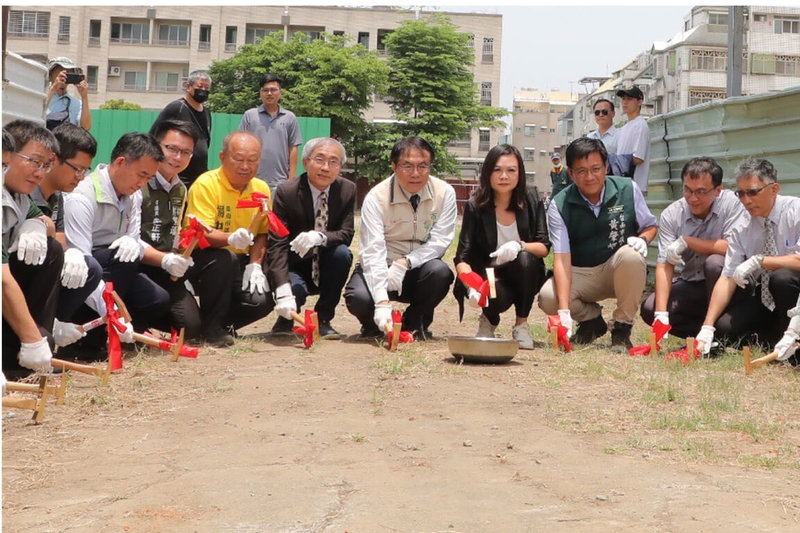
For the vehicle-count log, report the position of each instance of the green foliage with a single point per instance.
(120, 104)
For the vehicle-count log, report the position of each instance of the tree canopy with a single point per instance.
(119, 103)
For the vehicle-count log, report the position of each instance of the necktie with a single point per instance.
(769, 249)
(320, 224)
(414, 201)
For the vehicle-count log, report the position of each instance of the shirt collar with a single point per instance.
(162, 181)
(262, 109)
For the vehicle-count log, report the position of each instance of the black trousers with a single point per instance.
(183, 309)
(334, 265)
(70, 300)
(40, 284)
(423, 289)
(688, 300)
(516, 283)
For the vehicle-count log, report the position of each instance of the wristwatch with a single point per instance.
(408, 262)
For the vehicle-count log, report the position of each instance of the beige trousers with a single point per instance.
(622, 277)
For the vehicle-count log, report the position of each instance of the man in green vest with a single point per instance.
(600, 230)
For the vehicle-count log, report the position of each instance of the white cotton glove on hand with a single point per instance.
(382, 316)
(126, 335)
(474, 298)
(397, 272)
(566, 320)
(638, 244)
(175, 264)
(663, 317)
(32, 242)
(705, 338)
(240, 239)
(507, 252)
(306, 241)
(75, 271)
(128, 249)
(254, 278)
(285, 306)
(65, 333)
(36, 355)
(786, 346)
(745, 269)
(675, 252)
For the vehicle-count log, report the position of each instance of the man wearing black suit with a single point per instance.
(314, 258)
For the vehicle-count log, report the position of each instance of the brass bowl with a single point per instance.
(482, 349)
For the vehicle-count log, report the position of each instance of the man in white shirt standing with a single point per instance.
(606, 131)
(634, 138)
(407, 224)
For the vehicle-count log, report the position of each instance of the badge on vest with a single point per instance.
(614, 209)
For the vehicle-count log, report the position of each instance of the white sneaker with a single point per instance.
(485, 328)
(522, 334)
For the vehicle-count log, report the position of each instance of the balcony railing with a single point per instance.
(94, 41)
(204, 45)
(171, 42)
(230, 47)
(133, 87)
(487, 58)
(166, 88)
(29, 34)
(130, 40)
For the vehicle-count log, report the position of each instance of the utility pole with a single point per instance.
(735, 41)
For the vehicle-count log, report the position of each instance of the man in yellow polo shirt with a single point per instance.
(228, 276)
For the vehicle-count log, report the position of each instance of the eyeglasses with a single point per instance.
(270, 90)
(699, 193)
(750, 192)
(174, 150)
(41, 165)
(598, 112)
(332, 163)
(79, 172)
(596, 170)
(408, 167)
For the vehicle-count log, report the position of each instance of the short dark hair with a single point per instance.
(696, 167)
(600, 100)
(73, 139)
(25, 131)
(269, 78)
(760, 168)
(484, 195)
(134, 146)
(182, 126)
(8, 142)
(410, 143)
(582, 147)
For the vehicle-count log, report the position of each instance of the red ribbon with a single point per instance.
(682, 355)
(405, 336)
(660, 329)
(114, 328)
(307, 329)
(275, 224)
(195, 230)
(473, 280)
(553, 321)
(185, 349)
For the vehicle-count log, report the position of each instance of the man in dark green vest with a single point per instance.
(600, 227)
(559, 177)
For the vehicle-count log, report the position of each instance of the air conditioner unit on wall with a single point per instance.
(114, 71)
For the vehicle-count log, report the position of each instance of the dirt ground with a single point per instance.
(346, 437)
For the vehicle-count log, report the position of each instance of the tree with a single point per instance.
(120, 104)
(431, 88)
(322, 78)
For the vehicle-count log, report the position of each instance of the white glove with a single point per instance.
(566, 320)
(306, 241)
(397, 272)
(75, 271)
(745, 269)
(675, 251)
(65, 333)
(254, 278)
(507, 252)
(663, 317)
(126, 335)
(382, 316)
(128, 249)
(638, 244)
(285, 306)
(32, 241)
(175, 264)
(36, 355)
(240, 239)
(474, 298)
(786, 346)
(705, 338)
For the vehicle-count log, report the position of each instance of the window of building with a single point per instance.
(165, 81)
(759, 17)
(762, 64)
(471, 41)
(787, 65)
(530, 130)
(130, 32)
(671, 62)
(701, 96)
(529, 154)
(307, 35)
(338, 33)
(718, 18)
(486, 93)
(173, 34)
(204, 40)
(135, 80)
(530, 176)
(382, 34)
(29, 24)
(363, 38)
(787, 25)
(253, 35)
(483, 139)
(91, 77)
(230, 38)
(709, 60)
(94, 32)
(63, 29)
(552, 130)
(487, 55)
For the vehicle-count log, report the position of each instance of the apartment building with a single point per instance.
(142, 54)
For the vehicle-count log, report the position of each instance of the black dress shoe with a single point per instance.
(283, 326)
(370, 332)
(326, 331)
(423, 335)
(621, 337)
(220, 338)
(589, 330)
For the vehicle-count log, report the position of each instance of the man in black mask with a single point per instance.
(191, 109)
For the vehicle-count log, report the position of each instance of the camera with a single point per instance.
(74, 78)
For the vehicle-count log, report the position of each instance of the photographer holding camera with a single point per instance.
(62, 107)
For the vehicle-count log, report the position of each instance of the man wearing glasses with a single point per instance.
(407, 223)
(600, 229)
(318, 208)
(606, 131)
(760, 280)
(693, 234)
(278, 131)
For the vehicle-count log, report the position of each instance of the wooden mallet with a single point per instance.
(491, 279)
(309, 327)
(196, 234)
(36, 404)
(749, 365)
(175, 348)
(101, 372)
